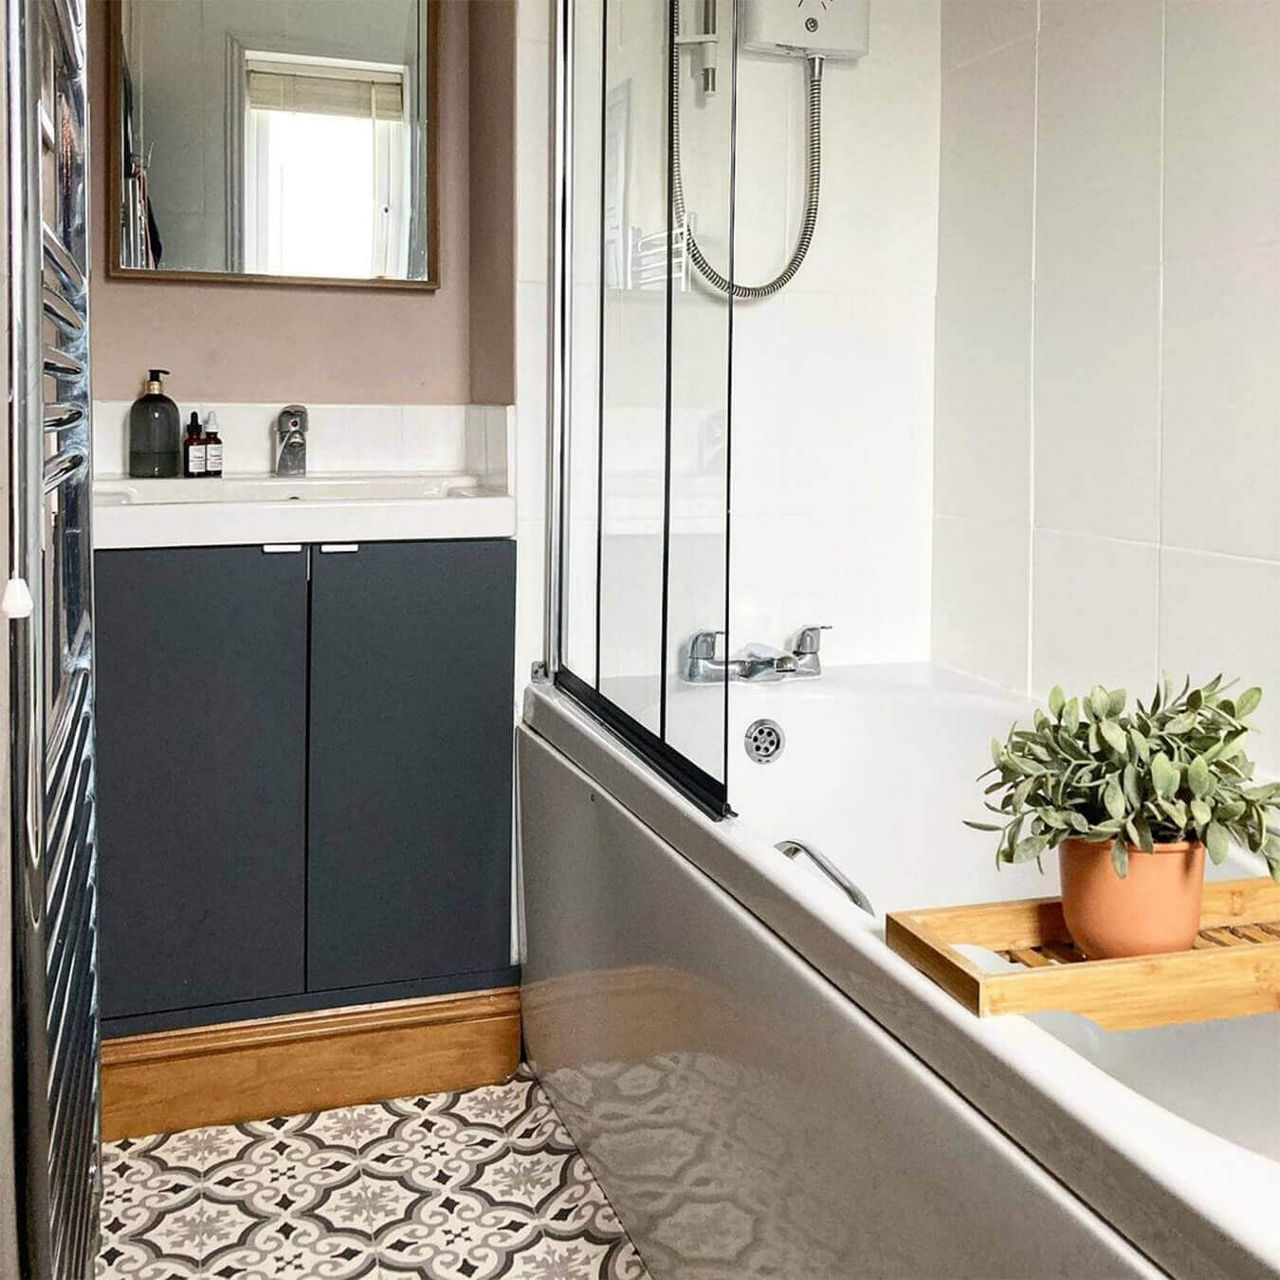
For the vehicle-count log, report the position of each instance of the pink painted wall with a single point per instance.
(245, 343)
(492, 178)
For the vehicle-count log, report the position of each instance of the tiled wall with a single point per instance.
(340, 438)
(1107, 403)
(833, 377)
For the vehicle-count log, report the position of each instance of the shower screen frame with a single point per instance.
(706, 790)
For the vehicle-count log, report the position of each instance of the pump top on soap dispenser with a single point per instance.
(155, 432)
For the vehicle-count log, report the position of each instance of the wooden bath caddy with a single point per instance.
(1233, 969)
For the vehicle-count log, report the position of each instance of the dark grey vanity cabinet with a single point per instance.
(201, 758)
(411, 721)
(304, 791)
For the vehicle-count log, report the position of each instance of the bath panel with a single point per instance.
(744, 1116)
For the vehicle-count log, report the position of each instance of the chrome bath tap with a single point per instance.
(756, 663)
(291, 441)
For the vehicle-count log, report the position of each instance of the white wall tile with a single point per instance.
(247, 431)
(987, 171)
(1220, 613)
(531, 393)
(1222, 404)
(1098, 145)
(769, 113)
(879, 223)
(530, 592)
(866, 577)
(369, 439)
(1157, 392)
(981, 580)
(1222, 126)
(982, 403)
(851, 425)
(110, 437)
(1097, 391)
(532, 153)
(434, 437)
(533, 20)
(971, 28)
(1094, 613)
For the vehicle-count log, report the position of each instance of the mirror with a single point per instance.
(274, 140)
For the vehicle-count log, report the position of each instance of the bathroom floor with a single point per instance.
(451, 1186)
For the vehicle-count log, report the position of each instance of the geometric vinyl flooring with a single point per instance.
(475, 1185)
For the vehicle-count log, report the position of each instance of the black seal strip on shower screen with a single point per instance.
(696, 785)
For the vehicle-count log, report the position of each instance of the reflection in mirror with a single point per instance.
(279, 138)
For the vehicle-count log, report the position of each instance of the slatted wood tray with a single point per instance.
(1233, 969)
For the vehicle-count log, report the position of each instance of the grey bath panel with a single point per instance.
(202, 776)
(409, 815)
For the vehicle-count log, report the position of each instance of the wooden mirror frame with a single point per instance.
(115, 167)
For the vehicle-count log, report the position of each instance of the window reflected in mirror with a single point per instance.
(280, 140)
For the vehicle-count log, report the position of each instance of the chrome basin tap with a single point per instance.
(291, 441)
(805, 649)
(756, 663)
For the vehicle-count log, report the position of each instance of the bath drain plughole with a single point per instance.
(764, 741)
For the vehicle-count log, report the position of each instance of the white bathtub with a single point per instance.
(1168, 1139)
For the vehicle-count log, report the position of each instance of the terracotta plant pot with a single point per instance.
(1155, 908)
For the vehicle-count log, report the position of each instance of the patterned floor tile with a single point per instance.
(479, 1185)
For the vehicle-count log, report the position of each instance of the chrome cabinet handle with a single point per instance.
(280, 548)
(338, 548)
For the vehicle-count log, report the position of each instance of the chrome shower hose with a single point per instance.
(812, 182)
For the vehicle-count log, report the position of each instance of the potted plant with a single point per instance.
(1133, 800)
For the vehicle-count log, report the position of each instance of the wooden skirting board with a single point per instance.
(268, 1067)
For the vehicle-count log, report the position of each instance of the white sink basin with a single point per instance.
(328, 488)
(242, 510)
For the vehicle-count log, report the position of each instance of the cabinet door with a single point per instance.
(409, 833)
(201, 775)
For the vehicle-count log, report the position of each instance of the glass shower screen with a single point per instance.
(645, 376)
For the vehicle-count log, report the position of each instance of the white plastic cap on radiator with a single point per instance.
(16, 601)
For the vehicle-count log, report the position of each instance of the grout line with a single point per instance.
(1031, 370)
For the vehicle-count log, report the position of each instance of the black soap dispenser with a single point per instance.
(155, 432)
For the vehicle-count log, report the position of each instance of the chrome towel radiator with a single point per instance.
(47, 603)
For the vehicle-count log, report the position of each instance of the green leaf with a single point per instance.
(1057, 700)
(1115, 736)
(1202, 814)
(1130, 784)
(1218, 842)
(1141, 747)
(997, 751)
(1120, 858)
(1180, 724)
(1247, 702)
(1113, 799)
(1199, 779)
(1099, 702)
(1115, 701)
(982, 826)
(1142, 830)
(1029, 848)
(1164, 774)
(1071, 715)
